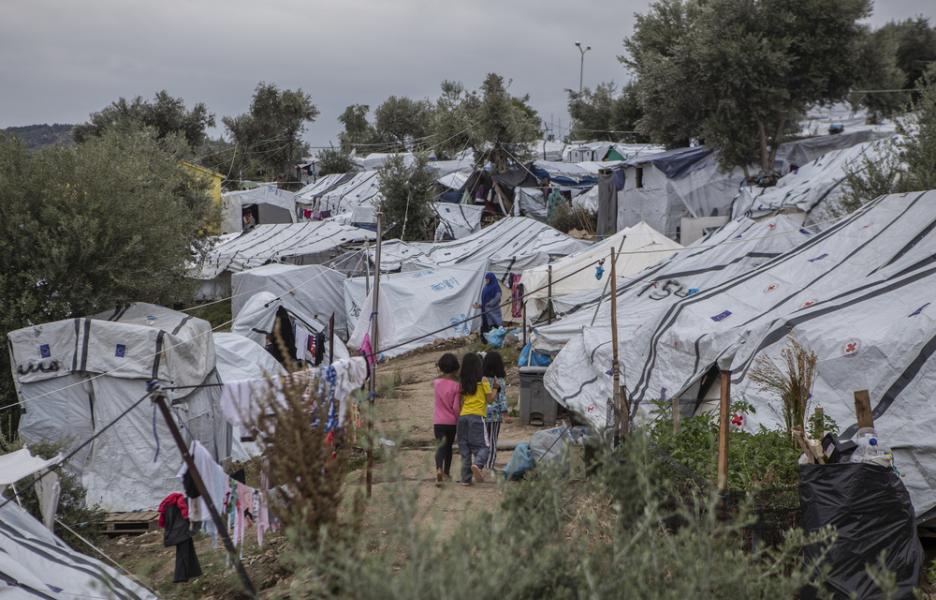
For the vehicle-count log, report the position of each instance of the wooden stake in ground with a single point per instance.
(724, 403)
(160, 399)
(863, 409)
(369, 472)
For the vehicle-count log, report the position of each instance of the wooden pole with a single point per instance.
(619, 416)
(331, 339)
(549, 293)
(374, 340)
(524, 324)
(820, 418)
(160, 399)
(863, 409)
(724, 403)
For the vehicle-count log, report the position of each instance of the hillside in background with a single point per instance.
(40, 136)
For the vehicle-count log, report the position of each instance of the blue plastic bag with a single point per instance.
(495, 337)
(538, 359)
(521, 461)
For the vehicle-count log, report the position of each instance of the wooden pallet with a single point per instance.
(130, 523)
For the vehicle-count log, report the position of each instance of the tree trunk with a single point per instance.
(763, 147)
(776, 143)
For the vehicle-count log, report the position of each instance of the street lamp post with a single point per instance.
(582, 52)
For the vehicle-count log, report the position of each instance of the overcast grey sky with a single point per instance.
(61, 60)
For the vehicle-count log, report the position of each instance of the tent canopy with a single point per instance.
(511, 244)
(300, 243)
(77, 376)
(313, 291)
(850, 289)
(275, 206)
(638, 247)
(416, 303)
(35, 563)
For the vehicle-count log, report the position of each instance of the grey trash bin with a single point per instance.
(536, 405)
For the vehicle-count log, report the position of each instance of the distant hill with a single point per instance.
(40, 136)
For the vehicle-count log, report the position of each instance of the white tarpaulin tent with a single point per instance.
(21, 463)
(314, 291)
(76, 376)
(457, 220)
(637, 248)
(363, 189)
(854, 285)
(239, 358)
(662, 188)
(510, 245)
(311, 242)
(34, 563)
(273, 206)
(815, 188)
(257, 318)
(734, 249)
(415, 303)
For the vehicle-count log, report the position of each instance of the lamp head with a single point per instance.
(579, 44)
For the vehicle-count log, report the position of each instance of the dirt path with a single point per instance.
(406, 414)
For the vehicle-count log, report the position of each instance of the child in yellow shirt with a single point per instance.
(476, 393)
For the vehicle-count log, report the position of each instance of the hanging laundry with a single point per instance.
(173, 517)
(516, 296)
(214, 478)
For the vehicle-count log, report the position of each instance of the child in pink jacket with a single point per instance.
(445, 413)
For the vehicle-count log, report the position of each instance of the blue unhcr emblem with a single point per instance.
(121, 351)
(722, 316)
(44, 351)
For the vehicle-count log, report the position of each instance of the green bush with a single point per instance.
(627, 531)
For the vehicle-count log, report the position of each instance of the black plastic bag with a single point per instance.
(870, 508)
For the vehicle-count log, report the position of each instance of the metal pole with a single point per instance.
(524, 324)
(581, 71)
(160, 399)
(374, 352)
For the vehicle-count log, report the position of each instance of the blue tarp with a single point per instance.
(673, 163)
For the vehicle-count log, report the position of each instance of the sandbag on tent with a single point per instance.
(416, 303)
(257, 319)
(34, 563)
(510, 245)
(312, 290)
(78, 375)
(638, 247)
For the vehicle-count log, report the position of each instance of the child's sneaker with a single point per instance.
(476, 472)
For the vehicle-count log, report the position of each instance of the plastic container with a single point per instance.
(870, 450)
(536, 405)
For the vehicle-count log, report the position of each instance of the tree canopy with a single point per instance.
(737, 74)
(408, 192)
(84, 229)
(604, 114)
(164, 114)
(268, 138)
